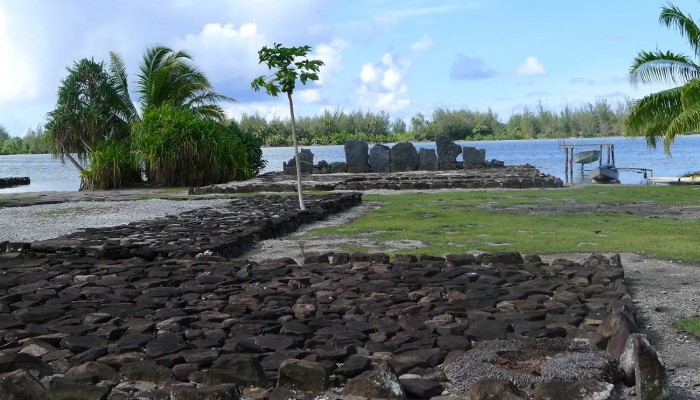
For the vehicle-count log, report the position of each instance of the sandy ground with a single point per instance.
(663, 290)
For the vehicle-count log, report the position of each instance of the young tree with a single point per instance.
(289, 65)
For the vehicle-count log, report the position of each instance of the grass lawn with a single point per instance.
(451, 222)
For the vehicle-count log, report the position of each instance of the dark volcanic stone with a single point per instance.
(380, 158)
(242, 369)
(67, 389)
(353, 366)
(148, 371)
(494, 388)
(447, 152)
(21, 385)
(420, 388)
(356, 156)
(302, 375)
(12, 362)
(487, 329)
(380, 382)
(218, 392)
(404, 157)
(167, 343)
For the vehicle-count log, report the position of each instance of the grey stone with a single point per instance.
(21, 385)
(380, 158)
(420, 388)
(640, 364)
(306, 163)
(302, 375)
(380, 382)
(427, 160)
(67, 389)
(404, 157)
(473, 157)
(447, 152)
(219, 392)
(356, 156)
(495, 389)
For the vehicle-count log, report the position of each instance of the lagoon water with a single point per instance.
(48, 174)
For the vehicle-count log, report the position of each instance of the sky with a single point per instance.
(398, 56)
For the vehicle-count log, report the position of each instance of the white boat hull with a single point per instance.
(605, 174)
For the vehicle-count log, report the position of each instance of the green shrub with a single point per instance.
(182, 149)
(252, 143)
(112, 165)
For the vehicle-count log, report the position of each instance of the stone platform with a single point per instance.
(512, 177)
(96, 315)
(14, 181)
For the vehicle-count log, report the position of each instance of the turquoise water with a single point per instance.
(48, 174)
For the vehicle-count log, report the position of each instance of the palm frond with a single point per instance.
(673, 17)
(687, 122)
(662, 67)
(117, 70)
(651, 115)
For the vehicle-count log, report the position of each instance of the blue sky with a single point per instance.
(402, 57)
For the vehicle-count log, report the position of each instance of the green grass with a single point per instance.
(448, 222)
(690, 325)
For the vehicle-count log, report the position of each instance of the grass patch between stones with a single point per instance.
(446, 223)
(690, 325)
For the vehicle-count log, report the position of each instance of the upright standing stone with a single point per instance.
(356, 156)
(306, 158)
(380, 158)
(404, 157)
(427, 160)
(447, 152)
(473, 157)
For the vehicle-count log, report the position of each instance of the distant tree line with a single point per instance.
(336, 127)
(34, 142)
(597, 119)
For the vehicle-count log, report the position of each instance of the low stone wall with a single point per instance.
(228, 231)
(515, 177)
(338, 326)
(14, 181)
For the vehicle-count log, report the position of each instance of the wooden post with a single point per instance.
(566, 163)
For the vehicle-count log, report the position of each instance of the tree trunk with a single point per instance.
(296, 153)
(71, 159)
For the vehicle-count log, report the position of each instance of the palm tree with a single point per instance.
(85, 113)
(674, 111)
(94, 113)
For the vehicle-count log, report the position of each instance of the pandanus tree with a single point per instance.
(289, 65)
(86, 114)
(670, 112)
(95, 115)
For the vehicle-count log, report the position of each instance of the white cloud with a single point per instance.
(423, 44)
(382, 84)
(330, 54)
(308, 95)
(531, 67)
(224, 51)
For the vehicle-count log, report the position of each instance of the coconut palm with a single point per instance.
(167, 77)
(674, 111)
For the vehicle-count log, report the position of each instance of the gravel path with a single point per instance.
(40, 222)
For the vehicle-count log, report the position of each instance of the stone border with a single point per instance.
(515, 177)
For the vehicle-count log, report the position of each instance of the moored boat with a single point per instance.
(690, 179)
(586, 157)
(605, 173)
